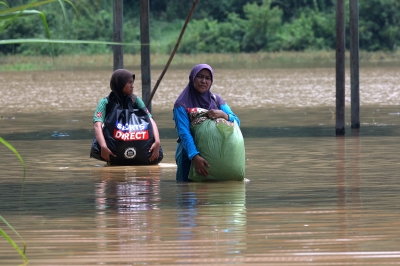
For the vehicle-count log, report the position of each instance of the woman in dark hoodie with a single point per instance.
(121, 96)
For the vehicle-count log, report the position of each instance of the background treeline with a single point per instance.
(223, 26)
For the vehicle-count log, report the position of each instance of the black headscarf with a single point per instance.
(118, 80)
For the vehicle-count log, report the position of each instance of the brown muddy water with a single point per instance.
(310, 198)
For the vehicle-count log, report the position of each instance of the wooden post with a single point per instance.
(118, 34)
(354, 65)
(145, 50)
(340, 67)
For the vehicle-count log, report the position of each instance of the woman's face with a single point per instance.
(202, 81)
(128, 89)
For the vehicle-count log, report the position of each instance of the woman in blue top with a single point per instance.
(196, 94)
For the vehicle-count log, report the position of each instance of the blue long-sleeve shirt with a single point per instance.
(182, 124)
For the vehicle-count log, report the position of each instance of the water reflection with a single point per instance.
(142, 212)
(349, 204)
(348, 171)
(213, 213)
(355, 159)
(129, 189)
(125, 197)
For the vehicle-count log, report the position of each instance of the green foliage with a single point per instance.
(89, 31)
(262, 25)
(310, 31)
(293, 8)
(225, 26)
(163, 36)
(213, 37)
(168, 10)
(9, 15)
(380, 30)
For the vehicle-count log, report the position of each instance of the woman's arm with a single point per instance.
(182, 125)
(98, 133)
(155, 147)
(98, 119)
(216, 113)
(231, 116)
(224, 112)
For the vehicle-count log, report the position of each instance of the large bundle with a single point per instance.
(129, 134)
(221, 143)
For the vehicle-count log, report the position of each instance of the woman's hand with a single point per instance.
(105, 153)
(200, 165)
(155, 150)
(215, 113)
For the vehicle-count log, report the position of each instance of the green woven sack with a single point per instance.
(221, 143)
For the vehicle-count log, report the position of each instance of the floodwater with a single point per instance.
(310, 198)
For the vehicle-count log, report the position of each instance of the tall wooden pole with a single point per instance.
(354, 65)
(340, 67)
(118, 34)
(145, 50)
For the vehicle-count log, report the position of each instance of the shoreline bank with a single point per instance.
(183, 61)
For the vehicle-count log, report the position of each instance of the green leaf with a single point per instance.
(4, 3)
(8, 145)
(63, 9)
(25, 13)
(11, 14)
(15, 246)
(30, 5)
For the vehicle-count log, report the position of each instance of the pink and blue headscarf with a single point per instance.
(191, 98)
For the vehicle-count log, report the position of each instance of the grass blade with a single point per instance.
(17, 8)
(9, 239)
(63, 10)
(4, 234)
(4, 3)
(8, 145)
(33, 4)
(12, 13)
(11, 16)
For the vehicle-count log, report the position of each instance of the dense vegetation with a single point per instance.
(224, 26)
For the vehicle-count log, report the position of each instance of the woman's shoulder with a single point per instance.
(218, 99)
(103, 101)
(139, 102)
(179, 111)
